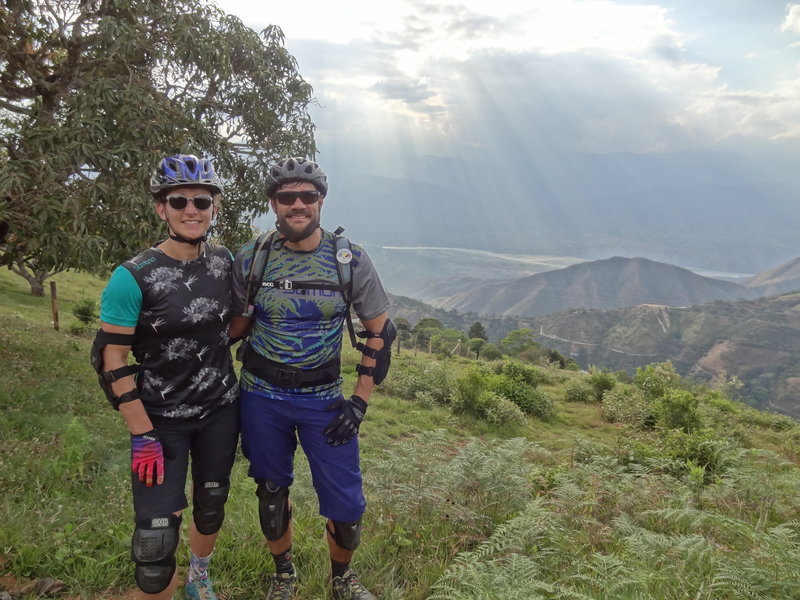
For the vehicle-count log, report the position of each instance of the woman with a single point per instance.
(170, 306)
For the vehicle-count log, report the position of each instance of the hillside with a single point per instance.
(497, 481)
(782, 279)
(757, 340)
(496, 326)
(603, 284)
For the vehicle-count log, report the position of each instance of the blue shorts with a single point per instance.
(271, 428)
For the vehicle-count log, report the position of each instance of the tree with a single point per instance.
(447, 342)
(429, 323)
(518, 341)
(94, 92)
(477, 330)
(476, 344)
(425, 329)
(492, 352)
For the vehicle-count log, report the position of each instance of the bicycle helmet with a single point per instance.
(296, 169)
(184, 169)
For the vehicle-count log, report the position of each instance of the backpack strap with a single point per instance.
(344, 269)
(344, 256)
(258, 264)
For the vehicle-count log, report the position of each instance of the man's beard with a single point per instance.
(293, 235)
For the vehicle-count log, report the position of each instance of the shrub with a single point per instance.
(469, 392)
(500, 410)
(577, 390)
(677, 409)
(528, 398)
(702, 448)
(655, 379)
(536, 403)
(622, 376)
(410, 381)
(78, 328)
(85, 310)
(601, 381)
(627, 404)
(517, 371)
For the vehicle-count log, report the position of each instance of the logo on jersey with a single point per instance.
(344, 256)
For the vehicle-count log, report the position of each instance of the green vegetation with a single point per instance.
(93, 94)
(659, 489)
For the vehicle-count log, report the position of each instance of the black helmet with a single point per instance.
(182, 170)
(295, 169)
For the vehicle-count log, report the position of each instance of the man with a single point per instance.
(170, 306)
(290, 381)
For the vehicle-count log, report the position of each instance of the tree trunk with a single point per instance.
(35, 279)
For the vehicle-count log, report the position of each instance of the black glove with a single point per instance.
(345, 424)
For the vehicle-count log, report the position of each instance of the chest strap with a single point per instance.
(286, 376)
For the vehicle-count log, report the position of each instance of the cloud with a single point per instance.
(589, 75)
(792, 20)
(411, 91)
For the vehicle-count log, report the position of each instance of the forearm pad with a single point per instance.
(383, 357)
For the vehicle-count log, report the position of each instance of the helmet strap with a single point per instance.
(183, 240)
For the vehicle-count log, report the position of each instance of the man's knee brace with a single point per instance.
(346, 534)
(209, 506)
(274, 511)
(153, 551)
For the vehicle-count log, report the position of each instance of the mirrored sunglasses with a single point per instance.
(289, 198)
(201, 202)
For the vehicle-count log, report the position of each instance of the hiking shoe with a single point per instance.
(348, 587)
(282, 587)
(199, 589)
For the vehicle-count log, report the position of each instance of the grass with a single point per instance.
(572, 507)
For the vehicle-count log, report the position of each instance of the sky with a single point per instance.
(594, 76)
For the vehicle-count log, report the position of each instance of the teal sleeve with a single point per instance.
(121, 301)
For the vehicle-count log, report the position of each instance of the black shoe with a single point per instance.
(348, 587)
(281, 587)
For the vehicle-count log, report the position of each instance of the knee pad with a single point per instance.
(208, 501)
(274, 511)
(153, 552)
(346, 534)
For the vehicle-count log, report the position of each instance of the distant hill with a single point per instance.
(496, 327)
(603, 284)
(757, 340)
(782, 279)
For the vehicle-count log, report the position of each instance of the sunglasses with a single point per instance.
(201, 202)
(289, 198)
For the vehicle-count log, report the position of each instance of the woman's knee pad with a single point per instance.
(153, 551)
(208, 501)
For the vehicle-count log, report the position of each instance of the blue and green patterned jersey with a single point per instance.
(303, 328)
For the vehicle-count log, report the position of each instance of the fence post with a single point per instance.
(54, 304)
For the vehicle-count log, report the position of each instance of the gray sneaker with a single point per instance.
(348, 587)
(281, 587)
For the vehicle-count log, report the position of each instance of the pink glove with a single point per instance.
(147, 458)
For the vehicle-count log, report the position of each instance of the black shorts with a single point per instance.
(211, 442)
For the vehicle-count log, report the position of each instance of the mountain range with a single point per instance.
(622, 313)
(603, 284)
